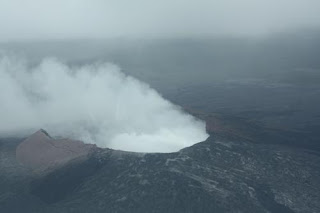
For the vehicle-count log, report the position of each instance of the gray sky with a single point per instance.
(45, 19)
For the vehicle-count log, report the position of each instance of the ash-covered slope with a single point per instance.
(212, 176)
(40, 151)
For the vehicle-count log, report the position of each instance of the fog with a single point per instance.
(60, 19)
(98, 103)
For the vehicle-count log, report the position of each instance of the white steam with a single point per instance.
(95, 103)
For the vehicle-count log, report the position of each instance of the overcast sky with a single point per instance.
(45, 19)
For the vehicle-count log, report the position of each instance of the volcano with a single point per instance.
(217, 175)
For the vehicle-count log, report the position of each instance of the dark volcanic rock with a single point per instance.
(212, 176)
(57, 185)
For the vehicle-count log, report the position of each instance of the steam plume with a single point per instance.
(94, 103)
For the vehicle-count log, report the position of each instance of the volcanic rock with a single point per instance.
(42, 151)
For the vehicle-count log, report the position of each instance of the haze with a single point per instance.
(77, 97)
(61, 19)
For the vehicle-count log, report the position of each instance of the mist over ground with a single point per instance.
(179, 45)
(94, 103)
(61, 19)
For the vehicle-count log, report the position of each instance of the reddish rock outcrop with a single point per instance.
(40, 151)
